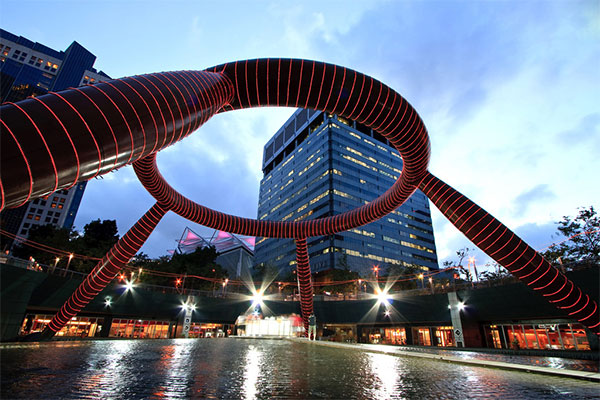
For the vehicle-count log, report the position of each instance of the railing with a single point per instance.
(231, 293)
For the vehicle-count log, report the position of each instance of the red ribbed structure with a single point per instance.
(500, 243)
(53, 141)
(110, 265)
(304, 281)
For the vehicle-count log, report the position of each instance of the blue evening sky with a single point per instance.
(509, 91)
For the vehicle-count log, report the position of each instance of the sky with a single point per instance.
(509, 92)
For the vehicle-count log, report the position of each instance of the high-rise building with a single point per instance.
(27, 69)
(318, 165)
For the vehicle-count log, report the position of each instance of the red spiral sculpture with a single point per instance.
(53, 141)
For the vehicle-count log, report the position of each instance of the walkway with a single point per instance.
(579, 369)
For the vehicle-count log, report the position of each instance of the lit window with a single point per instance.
(53, 205)
(60, 206)
(37, 218)
(29, 216)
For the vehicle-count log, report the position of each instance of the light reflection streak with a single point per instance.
(386, 373)
(251, 372)
(178, 366)
(111, 379)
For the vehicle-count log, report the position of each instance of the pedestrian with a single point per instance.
(312, 327)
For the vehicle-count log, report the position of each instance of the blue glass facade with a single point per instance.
(318, 165)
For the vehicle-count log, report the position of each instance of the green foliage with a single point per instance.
(340, 275)
(58, 238)
(199, 263)
(405, 275)
(583, 240)
(97, 239)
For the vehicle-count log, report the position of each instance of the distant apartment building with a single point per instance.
(318, 165)
(27, 69)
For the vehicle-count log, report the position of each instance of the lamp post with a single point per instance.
(56, 260)
(376, 271)
(225, 282)
(68, 263)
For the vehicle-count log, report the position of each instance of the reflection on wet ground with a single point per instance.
(254, 369)
(551, 362)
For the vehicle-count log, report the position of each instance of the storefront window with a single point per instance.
(539, 336)
(396, 336)
(142, 329)
(422, 336)
(444, 336)
(77, 326)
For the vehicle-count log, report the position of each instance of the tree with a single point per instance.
(461, 255)
(97, 239)
(581, 243)
(405, 276)
(495, 273)
(199, 263)
(49, 235)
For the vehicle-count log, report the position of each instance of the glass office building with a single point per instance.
(27, 69)
(318, 165)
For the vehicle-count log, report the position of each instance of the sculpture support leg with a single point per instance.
(304, 281)
(107, 268)
(500, 243)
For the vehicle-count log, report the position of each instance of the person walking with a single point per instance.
(312, 327)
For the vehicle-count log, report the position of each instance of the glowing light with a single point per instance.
(107, 301)
(188, 306)
(461, 306)
(257, 298)
(129, 285)
(382, 296)
(420, 276)
(387, 313)
(71, 256)
(178, 282)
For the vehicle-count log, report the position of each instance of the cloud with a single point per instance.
(536, 194)
(586, 133)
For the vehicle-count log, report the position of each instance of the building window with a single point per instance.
(55, 221)
(40, 210)
(6, 50)
(29, 216)
(53, 205)
(47, 220)
(26, 225)
(23, 231)
(37, 218)
(60, 206)
(62, 200)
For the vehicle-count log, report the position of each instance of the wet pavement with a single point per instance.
(229, 368)
(551, 362)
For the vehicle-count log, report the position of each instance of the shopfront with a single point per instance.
(139, 329)
(339, 333)
(76, 327)
(395, 336)
(557, 336)
(199, 330)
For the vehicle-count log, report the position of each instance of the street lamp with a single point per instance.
(420, 276)
(376, 271)
(56, 260)
(71, 255)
